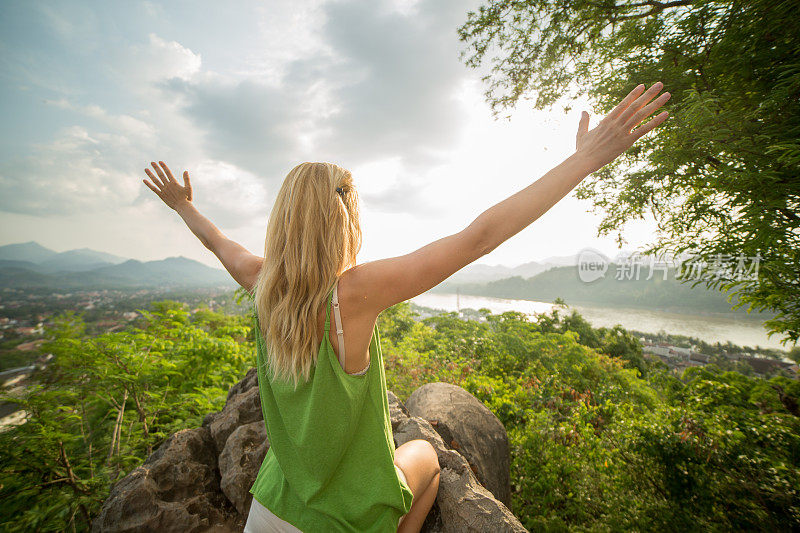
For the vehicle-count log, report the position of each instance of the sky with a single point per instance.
(238, 93)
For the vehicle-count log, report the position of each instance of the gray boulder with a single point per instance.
(239, 463)
(470, 428)
(200, 479)
(243, 406)
(462, 503)
(175, 489)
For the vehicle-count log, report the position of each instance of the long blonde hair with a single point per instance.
(313, 235)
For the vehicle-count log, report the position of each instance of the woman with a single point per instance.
(331, 464)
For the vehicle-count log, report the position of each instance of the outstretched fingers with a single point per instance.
(168, 172)
(646, 111)
(152, 188)
(661, 117)
(155, 179)
(640, 102)
(162, 178)
(623, 105)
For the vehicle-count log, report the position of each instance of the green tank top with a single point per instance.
(330, 464)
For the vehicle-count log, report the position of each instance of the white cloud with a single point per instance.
(76, 172)
(124, 124)
(158, 60)
(228, 195)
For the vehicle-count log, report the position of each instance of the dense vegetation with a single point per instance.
(106, 402)
(722, 176)
(601, 438)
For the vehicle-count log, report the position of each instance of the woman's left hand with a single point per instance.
(167, 188)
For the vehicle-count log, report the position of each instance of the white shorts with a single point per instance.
(262, 520)
(402, 476)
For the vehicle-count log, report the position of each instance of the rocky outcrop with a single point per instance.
(200, 479)
(175, 489)
(243, 406)
(239, 463)
(462, 503)
(469, 427)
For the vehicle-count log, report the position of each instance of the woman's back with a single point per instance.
(330, 465)
(357, 325)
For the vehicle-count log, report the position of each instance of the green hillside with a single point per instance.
(601, 439)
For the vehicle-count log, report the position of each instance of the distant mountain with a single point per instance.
(26, 251)
(563, 282)
(479, 273)
(81, 259)
(24, 265)
(32, 265)
(48, 261)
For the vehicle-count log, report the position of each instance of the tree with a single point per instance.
(722, 177)
(105, 403)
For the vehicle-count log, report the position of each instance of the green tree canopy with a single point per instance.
(721, 176)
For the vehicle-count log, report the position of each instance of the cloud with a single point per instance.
(124, 124)
(96, 162)
(160, 59)
(75, 173)
(377, 81)
(228, 195)
(396, 87)
(354, 82)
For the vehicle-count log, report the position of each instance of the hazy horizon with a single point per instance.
(218, 265)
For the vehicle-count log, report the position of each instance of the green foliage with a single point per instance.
(601, 441)
(597, 443)
(106, 402)
(722, 176)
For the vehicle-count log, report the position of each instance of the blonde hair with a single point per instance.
(313, 235)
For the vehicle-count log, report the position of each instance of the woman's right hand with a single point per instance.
(613, 135)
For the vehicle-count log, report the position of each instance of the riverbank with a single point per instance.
(742, 330)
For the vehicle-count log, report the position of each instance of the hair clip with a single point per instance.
(340, 191)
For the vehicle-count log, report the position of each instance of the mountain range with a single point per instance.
(29, 264)
(480, 273)
(657, 293)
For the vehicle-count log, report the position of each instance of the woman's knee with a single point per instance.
(418, 458)
(431, 455)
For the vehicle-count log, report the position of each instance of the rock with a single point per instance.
(199, 479)
(470, 428)
(175, 489)
(242, 408)
(397, 411)
(462, 503)
(239, 463)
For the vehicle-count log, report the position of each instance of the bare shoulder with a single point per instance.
(380, 284)
(354, 294)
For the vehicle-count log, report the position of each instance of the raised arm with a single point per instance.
(240, 263)
(383, 283)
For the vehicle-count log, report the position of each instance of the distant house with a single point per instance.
(685, 352)
(658, 350)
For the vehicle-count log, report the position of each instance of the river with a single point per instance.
(740, 330)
